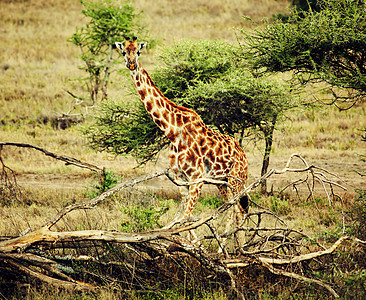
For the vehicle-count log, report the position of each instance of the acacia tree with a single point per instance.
(318, 46)
(108, 21)
(209, 77)
(242, 105)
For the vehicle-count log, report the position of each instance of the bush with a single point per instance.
(327, 46)
(106, 181)
(186, 63)
(126, 129)
(141, 218)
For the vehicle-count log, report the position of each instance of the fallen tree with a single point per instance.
(85, 260)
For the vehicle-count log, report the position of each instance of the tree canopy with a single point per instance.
(326, 45)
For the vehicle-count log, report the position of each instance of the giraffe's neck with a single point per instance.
(166, 114)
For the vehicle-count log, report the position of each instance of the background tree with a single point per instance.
(318, 46)
(108, 22)
(241, 105)
(209, 77)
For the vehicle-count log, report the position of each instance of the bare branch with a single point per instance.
(68, 160)
(299, 277)
(95, 201)
(273, 246)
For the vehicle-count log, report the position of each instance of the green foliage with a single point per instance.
(125, 129)
(212, 201)
(142, 218)
(280, 206)
(238, 101)
(327, 45)
(346, 269)
(188, 63)
(354, 284)
(108, 21)
(106, 182)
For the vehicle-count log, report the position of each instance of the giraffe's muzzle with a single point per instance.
(132, 67)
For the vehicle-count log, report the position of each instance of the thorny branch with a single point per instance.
(261, 238)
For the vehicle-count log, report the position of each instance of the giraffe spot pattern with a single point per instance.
(196, 150)
(172, 135)
(148, 106)
(156, 115)
(142, 94)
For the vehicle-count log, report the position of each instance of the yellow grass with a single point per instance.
(37, 64)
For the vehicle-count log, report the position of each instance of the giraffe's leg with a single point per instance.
(189, 198)
(187, 205)
(194, 191)
(240, 209)
(230, 218)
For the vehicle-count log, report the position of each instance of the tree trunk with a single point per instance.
(268, 137)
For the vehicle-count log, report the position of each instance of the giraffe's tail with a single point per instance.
(244, 203)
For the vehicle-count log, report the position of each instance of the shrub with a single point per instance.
(141, 218)
(106, 182)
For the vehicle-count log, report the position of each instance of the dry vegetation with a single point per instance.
(37, 64)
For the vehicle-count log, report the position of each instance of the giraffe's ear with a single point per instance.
(142, 45)
(119, 46)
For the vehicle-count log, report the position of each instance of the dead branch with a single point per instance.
(95, 201)
(17, 262)
(78, 101)
(215, 181)
(68, 160)
(299, 277)
(8, 183)
(311, 172)
(276, 247)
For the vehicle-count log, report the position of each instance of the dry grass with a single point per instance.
(216, 19)
(37, 63)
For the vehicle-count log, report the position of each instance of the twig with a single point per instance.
(68, 160)
(93, 202)
(299, 277)
(208, 180)
(266, 240)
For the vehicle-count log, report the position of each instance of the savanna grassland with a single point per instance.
(38, 65)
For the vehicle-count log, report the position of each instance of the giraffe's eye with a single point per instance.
(123, 53)
(138, 53)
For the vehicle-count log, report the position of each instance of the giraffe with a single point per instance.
(196, 151)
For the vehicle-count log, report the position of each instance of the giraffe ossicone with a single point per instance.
(196, 151)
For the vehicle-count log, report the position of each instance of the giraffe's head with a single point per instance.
(131, 52)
